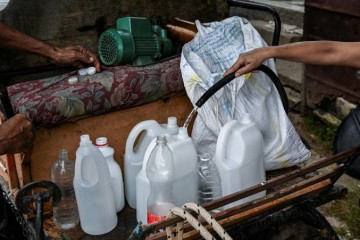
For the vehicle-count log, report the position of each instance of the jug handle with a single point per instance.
(222, 138)
(134, 133)
(94, 178)
(79, 165)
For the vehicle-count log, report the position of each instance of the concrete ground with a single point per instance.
(320, 152)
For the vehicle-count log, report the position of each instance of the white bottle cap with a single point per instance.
(85, 139)
(101, 141)
(91, 70)
(172, 122)
(183, 133)
(246, 118)
(82, 71)
(72, 80)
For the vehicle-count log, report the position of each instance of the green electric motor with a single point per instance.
(134, 41)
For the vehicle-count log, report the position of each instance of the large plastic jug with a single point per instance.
(143, 133)
(93, 190)
(240, 158)
(185, 177)
(117, 181)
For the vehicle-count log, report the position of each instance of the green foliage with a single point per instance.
(324, 132)
(348, 211)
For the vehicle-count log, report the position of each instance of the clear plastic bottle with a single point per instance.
(115, 172)
(209, 179)
(185, 176)
(160, 171)
(65, 212)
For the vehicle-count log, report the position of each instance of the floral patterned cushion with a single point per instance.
(51, 101)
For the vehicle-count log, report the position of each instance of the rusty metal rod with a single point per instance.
(261, 187)
(265, 200)
(278, 194)
(281, 179)
(280, 202)
(267, 208)
(262, 221)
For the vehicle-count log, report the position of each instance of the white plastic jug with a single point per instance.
(240, 158)
(117, 181)
(93, 190)
(185, 177)
(145, 132)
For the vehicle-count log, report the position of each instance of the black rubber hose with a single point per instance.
(221, 83)
(214, 88)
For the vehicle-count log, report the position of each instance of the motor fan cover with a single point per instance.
(134, 41)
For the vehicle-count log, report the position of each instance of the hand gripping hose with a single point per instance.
(184, 214)
(265, 69)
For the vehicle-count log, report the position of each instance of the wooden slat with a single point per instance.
(23, 170)
(11, 171)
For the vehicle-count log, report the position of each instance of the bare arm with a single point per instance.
(311, 52)
(16, 135)
(76, 56)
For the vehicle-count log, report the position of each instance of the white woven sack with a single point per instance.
(212, 51)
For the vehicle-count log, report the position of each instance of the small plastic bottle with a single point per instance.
(65, 212)
(209, 179)
(115, 172)
(160, 172)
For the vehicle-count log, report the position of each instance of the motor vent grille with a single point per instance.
(108, 48)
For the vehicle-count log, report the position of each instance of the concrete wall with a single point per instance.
(72, 22)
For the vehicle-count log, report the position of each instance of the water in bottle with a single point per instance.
(65, 212)
(160, 171)
(209, 179)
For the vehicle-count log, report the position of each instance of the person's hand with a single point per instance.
(247, 62)
(77, 56)
(16, 135)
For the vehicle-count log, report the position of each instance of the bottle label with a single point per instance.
(151, 218)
